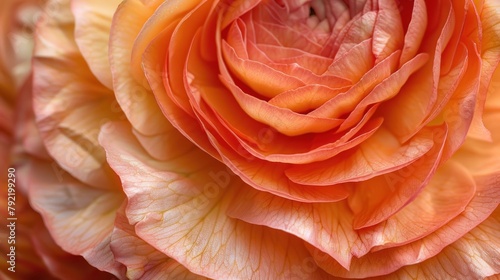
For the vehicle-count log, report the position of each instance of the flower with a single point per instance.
(271, 139)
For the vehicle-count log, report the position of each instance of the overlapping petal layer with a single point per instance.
(271, 139)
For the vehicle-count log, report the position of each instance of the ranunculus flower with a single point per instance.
(278, 139)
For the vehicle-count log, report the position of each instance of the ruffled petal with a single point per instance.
(179, 207)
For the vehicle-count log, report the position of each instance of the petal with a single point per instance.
(445, 197)
(141, 259)
(416, 31)
(70, 104)
(179, 207)
(326, 226)
(131, 88)
(474, 256)
(92, 26)
(376, 199)
(388, 30)
(80, 218)
(485, 201)
(490, 54)
(379, 154)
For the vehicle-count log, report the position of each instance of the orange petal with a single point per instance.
(377, 199)
(346, 102)
(388, 88)
(283, 120)
(178, 118)
(263, 79)
(484, 202)
(186, 217)
(490, 54)
(445, 197)
(416, 31)
(379, 154)
(326, 226)
(388, 30)
(131, 89)
(474, 256)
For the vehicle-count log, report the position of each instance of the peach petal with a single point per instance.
(79, 218)
(479, 156)
(288, 36)
(306, 69)
(133, 96)
(141, 259)
(283, 120)
(344, 66)
(270, 177)
(178, 118)
(186, 217)
(65, 91)
(378, 155)
(474, 256)
(422, 88)
(326, 226)
(237, 38)
(178, 49)
(388, 88)
(245, 135)
(27, 134)
(490, 54)
(484, 202)
(306, 155)
(92, 26)
(236, 9)
(314, 63)
(263, 79)
(459, 112)
(346, 102)
(249, 139)
(355, 32)
(305, 98)
(388, 30)
(445, 197)
(376, 199)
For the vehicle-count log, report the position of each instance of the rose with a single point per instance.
(27, 251)
(386, 159)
